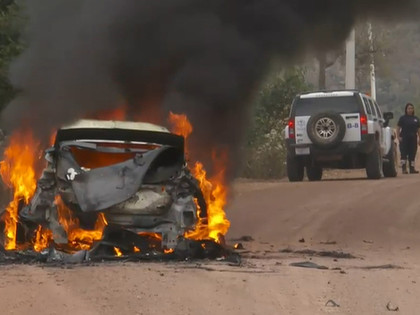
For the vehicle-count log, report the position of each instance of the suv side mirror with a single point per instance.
(388, 116)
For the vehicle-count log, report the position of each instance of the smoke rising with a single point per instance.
(199, 57)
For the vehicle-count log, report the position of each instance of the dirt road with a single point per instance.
(324, 223)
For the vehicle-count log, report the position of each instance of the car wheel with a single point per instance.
(314, 173)
(390, 167)
(295, 169)
(374, 163)
(326, 130)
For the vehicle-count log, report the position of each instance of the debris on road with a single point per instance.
(392, 308)
(105, 251)
(331, 254)
(332, 303)
(308, 264)
(328, 243)
(238, 246)
(388, 266)
(286, 250)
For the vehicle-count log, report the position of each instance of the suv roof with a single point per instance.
(337, 93)
(341, 101)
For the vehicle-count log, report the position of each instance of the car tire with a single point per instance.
(374, 163)
(390, 167)
(329, 137)
(295, 169)
(314, 173)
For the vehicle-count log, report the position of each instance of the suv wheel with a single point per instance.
(390, 167)
(374, 163)
(295, 169)
(326, 130)
(314, 173)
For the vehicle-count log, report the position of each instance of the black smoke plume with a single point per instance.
(204, 58)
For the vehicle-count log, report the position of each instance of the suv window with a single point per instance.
(378, 110)
(311, 106)
(368, 106)
(375, 112)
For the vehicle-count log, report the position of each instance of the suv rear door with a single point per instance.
(347, 104)
(375, 121)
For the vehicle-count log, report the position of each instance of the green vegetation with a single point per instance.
(10, 46)
(265, 151)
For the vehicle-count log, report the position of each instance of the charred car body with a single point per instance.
(133, 173)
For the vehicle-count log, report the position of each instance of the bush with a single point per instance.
(265, 152)
(11, 24)
(266, 159)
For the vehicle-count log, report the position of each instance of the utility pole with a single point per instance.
(351, 61)
(372, 63)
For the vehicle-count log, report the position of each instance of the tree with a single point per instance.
(10, 46)
(265, 151)
(378, 48)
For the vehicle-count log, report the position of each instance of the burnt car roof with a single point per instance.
(114, 124)
(109, 130)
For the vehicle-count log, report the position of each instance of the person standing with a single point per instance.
(408, 133)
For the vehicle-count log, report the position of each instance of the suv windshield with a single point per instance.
(310, 106)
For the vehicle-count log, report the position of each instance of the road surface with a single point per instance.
(376, 222)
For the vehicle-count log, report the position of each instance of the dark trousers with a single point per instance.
(408, 148)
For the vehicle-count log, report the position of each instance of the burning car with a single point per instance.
(131, 176)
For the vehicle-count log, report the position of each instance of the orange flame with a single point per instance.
(43, 237)
(79, 238)
(151, 235)
(52, 137)
(168, 251)
(18, 172)
(117, 251)
(180, 125)
(214, 189)
(215, 194)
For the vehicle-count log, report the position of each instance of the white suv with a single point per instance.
(339, 129)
